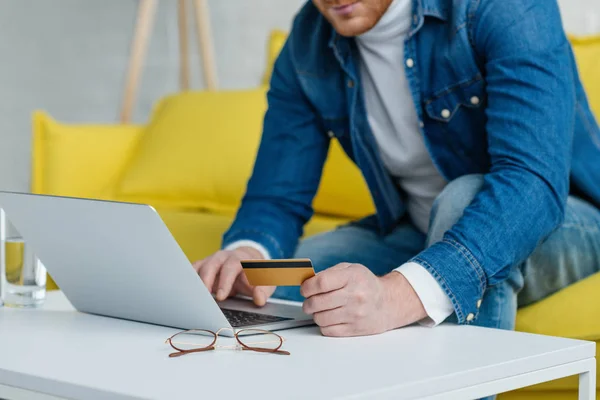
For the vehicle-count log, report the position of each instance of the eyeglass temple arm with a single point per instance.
(179, 353)
(282, 352)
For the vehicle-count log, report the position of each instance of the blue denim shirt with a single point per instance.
(531, 133)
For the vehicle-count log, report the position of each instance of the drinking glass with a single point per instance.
(22, 275)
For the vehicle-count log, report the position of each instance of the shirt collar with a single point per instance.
(434, 8)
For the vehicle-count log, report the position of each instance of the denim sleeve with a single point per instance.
(288, 167)
(530, 120)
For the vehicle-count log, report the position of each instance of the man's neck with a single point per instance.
(395, 23)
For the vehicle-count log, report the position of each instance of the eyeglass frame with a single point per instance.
(212, 345)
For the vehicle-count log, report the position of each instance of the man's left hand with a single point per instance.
(349, 300)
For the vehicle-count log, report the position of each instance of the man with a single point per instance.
(472, 130)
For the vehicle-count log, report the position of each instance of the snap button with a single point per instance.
(479, 303)
(470, 317)
(350, 83)
(331, 134)
(421, 124)
(410, 63)
(475, 100)
(445, 113)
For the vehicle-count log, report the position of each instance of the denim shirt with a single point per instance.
(497, 91)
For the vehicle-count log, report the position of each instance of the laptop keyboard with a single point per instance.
(239, 318)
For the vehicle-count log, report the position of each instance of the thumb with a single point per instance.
(261, 294)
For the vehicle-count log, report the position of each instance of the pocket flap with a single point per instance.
(445, 105)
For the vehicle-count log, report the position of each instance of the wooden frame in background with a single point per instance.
(145, 21)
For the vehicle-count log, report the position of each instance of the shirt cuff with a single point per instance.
(250, 243)
(436, 302)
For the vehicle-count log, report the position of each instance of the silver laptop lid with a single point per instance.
(114, 259)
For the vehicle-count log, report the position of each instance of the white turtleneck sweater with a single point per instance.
(391, 111)
(398, 132)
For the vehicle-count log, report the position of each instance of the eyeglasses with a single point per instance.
(199, 340)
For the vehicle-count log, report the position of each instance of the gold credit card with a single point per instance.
(278, 272)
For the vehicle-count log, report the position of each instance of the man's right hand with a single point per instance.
(223, 275)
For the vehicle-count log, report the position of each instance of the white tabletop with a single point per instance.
(61, 352)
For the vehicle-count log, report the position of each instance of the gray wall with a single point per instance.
(69, 57)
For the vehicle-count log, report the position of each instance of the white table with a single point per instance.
(58, 352)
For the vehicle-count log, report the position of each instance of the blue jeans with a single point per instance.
(569, 254)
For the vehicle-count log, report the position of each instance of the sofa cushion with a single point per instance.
(79, 160)
(583, 296)
(197, 151)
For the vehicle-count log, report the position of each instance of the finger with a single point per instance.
(198, 264)
(340, 330)
(210, 268)
(262, 293)
(326, 281)
(229, 272)
(242, 285)
(343, 265)
(325, 301)
(201, 263)
(332, 317)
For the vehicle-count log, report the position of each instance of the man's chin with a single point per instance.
(351, 27)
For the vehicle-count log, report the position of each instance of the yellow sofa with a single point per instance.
(192, 161)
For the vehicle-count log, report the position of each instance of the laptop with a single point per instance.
(120, 260)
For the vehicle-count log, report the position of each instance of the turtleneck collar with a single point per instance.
(394, 23)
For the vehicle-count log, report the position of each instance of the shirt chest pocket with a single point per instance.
(450, 106)
(456, 120)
